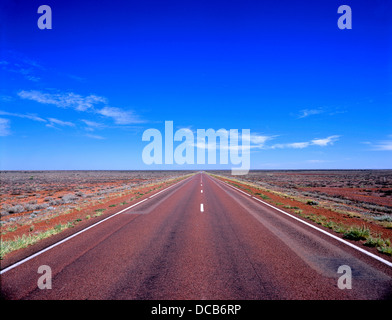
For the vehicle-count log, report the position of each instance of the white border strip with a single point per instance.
(79, 232)
(320, 230)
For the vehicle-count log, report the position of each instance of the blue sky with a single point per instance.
(80, 96)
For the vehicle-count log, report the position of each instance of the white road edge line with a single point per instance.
(77, 233)
(155, 194)
(66, 239)
(321, 230)
(239, 190)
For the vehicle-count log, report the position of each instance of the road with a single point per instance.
(199, 239)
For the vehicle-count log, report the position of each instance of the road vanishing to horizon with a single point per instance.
(196, 158)
(200, 239)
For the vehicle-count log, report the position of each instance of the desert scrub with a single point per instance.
(329, 224)
(69, 198)
(15, 209)
(27, 240)
(312, 202)
(384, 217)
(339, 228)
(99, 212)
(322, 220)
(290, 207)
(375, 242)
(385, 250)
(261, 195)
(357, 233)
(17, 243)
(10, 229)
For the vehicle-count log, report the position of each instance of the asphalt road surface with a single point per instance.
(200, 239)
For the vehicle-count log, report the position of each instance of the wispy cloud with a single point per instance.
(63, 100)
(18, 63)
(4, 127)
(301, 145)
(53, 121)
(30, 69)
(19, 115)
(93, 124)
(94, 136)
(326, 141)
(245, 142)
(91, 103)
(118, 115)
(309, 112)
(381, 145)
(258, 140)
(328, 111)
(6, 98)
(294, 145)
(317, 161)
(385, 145)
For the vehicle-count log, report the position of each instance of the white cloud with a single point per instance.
(118, 115)
(326, 141)
(93, 124)
(245, 142)
(93, 136)
(32, 78)
(298, 145)
(385, 145)
(301, 145)
(317, 161)
(19, 64)
(19, 115)
(309, 112)
(4, 127)
(257, 140)
(5, 98)
(63, 100)
(82, 103)
(293, 145)
(54, 121)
